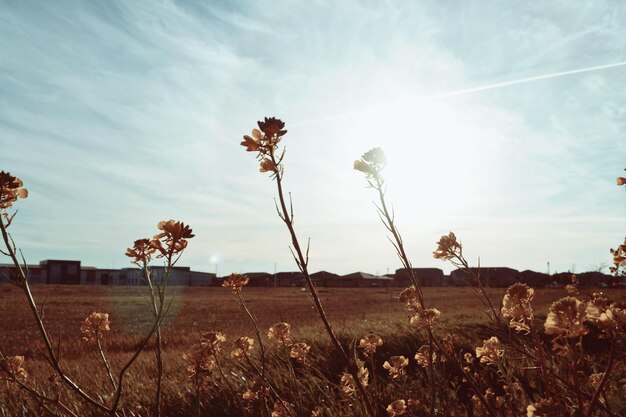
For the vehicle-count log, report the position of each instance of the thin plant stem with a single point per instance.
(302, 263)
(106, 363)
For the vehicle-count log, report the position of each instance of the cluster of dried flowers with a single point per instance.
(172, 241)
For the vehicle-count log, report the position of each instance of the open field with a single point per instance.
(196, 310)
(353, 312)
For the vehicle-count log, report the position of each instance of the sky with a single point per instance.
(502, 121)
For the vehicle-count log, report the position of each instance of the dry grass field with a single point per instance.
(353, 312)
(196, 310)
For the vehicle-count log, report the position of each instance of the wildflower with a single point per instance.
(280, 410)
(317, 412)
(566, 317)
(268, 166)
(605, 315)
(243, 345)
(11, 368)
(236, 282)
(491, 351)
(447, 248)
(422, 356)
(410, 296)
(371, 163)
(396, 408)
(265, 142)
(200, 361)
(280, 333)
(348, 385)
(94, 326)
(425, 318)
(174, 236)
(272, 127)
(141, 251)
(546, 407)
(369, 344)
(251, 143)
(212, 341)
(258, 391)
(10, 190)
(594, 379)
(516, 306)
(299, 352)
(619, 258)
(395, 366)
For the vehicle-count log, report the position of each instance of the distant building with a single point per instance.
(61, 271)
(288, 279)
(489, 277)
(324, 279)
(259, 279)
(363, 279)
(534, 279)
(426, 277)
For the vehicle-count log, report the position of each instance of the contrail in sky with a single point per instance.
(471, 90)
(524, 80)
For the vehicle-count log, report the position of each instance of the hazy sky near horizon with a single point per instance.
(118, 114)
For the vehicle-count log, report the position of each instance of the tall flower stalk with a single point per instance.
(371, 164)
(265, 142)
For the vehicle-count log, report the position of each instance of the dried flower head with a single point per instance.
(619, 259)
(604, 314)
(94, 326)
(422, 355)
(299, 352)
(425, 318)
(243, 346)
(265, 142)
(173, 238)
(236, 282)
(371, 163)
(141, 252)
(447, 248)
(411, 297)
(396, 367)
(200, 361)
(594, 379)
(280, 333)
(258, 391)
(516, 306)
(317, 411)
(10, 190)
(280, 410)
(546, 407)
(212, 341)
(12, 368)
(369, 343)
(491, 351)
(566, 317)
(348, 385)
(396, 408)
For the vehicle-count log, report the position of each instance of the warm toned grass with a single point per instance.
(201, 309)
(353, 313)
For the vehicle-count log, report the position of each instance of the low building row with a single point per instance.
(72, 272)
